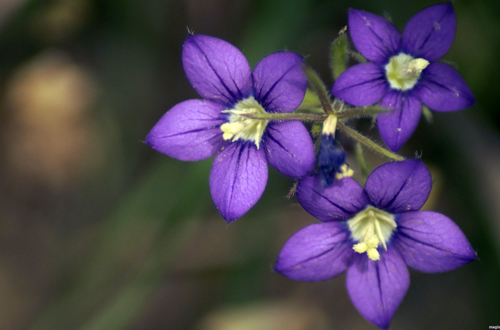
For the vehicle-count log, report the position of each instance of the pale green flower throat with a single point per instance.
(241, 127)
(370, 228)
(403, 71)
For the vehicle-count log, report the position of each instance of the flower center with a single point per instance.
(242, 127)
(403, 71)
(370, 228)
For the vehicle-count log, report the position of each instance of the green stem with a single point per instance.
(319, 88)
(315, 116)
(341, 126)
(287, 116)
(353, 134)
(310, 109)
(363, 165)
(362, 112)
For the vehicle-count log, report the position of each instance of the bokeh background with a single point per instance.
(98, 231)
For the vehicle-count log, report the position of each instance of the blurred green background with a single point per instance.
(98, 231)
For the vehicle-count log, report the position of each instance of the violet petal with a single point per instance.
(399, 186)
(431, 242)
(217, 70)
(289, 148)
(238, 179)
(189, 131)
(374, 36)
(441, 88)
(430, 33)
(397, 126)
(279, 82)
(316, 253)
(337, 202)
(377, 288)
(361, 85)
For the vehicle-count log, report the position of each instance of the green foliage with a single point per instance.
(427, 114)
(137, 244)
(338, 54)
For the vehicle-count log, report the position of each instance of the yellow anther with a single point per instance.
(370, 247)
(360, 247)
(371, 227)
(373, 254)
(346, 172)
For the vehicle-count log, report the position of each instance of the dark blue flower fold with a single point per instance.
(330, 159)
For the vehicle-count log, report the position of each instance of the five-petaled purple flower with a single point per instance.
(403, 72)
(198, 129)
(373, 233)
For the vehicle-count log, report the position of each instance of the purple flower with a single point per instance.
(372, 233)
(403, 72)
(198, 129)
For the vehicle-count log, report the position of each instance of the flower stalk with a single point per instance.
(348, 114)
(316, 116)
(287, 116)
(355, 135)
(319, 88)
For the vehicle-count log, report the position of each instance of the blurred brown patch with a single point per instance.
(51, 137)
(268, 316)
(60, 19)
(8, 8)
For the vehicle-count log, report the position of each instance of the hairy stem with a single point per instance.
(362, 112)
(287, 116)
(355, 135)
(319, 88)
(315, 115)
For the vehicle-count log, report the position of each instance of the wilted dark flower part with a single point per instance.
(218, 125)
(403, 72)
(331, 158)
(383, 220)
